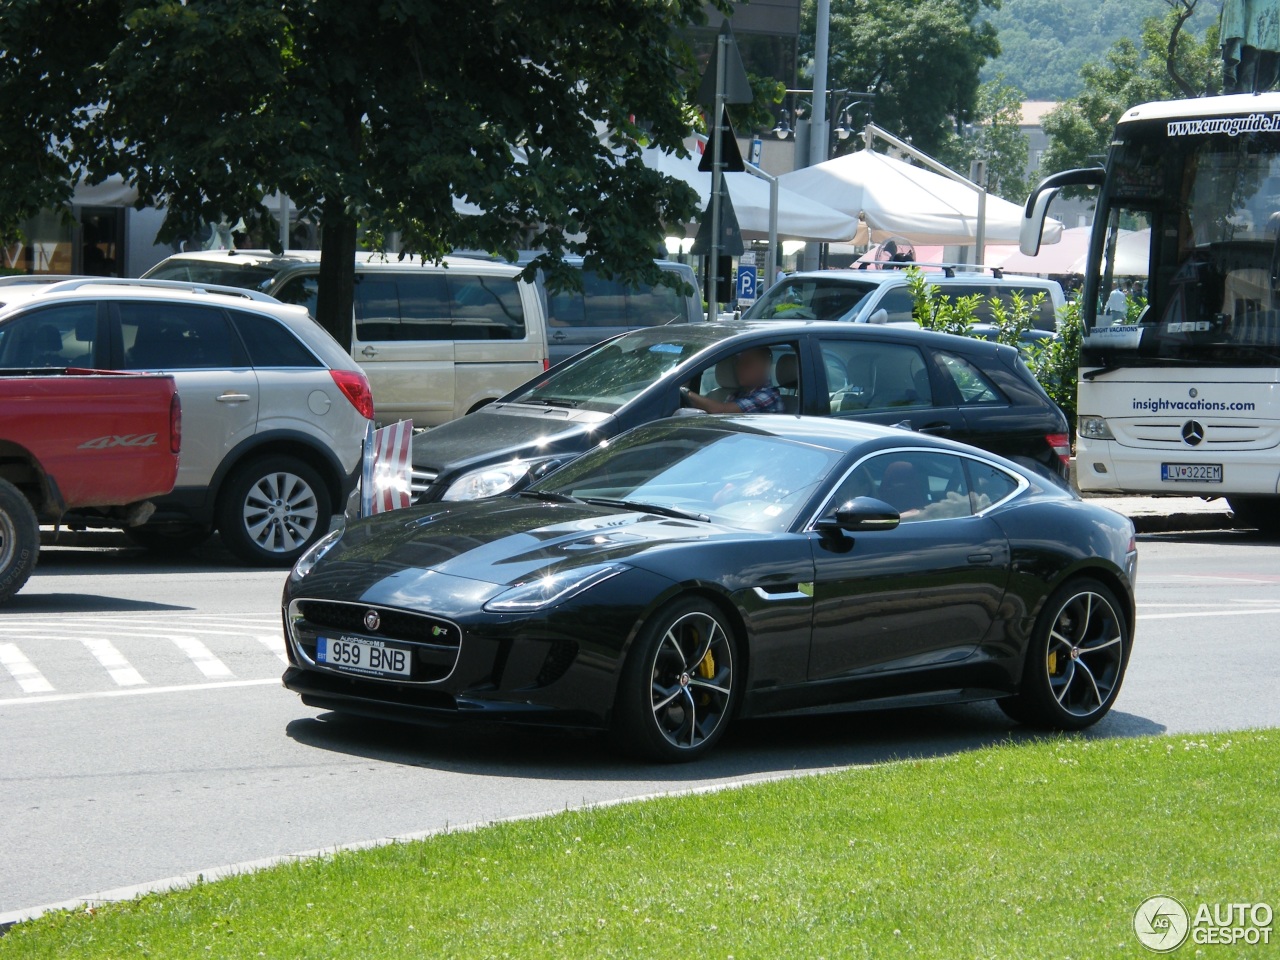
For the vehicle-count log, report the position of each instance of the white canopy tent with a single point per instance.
(1060, 258)
(893, 198)
(799, 218)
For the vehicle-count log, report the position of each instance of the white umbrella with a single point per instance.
(1133, 255)
(894, 198)
(799, 218)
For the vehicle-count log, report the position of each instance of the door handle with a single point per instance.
(559, 335)
(980, 558)
(369, 352)
(232, 397)
(935, 428)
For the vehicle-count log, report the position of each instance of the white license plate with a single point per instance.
(1195, 472)
(364, 656)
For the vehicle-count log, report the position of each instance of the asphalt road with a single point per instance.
(144, 734)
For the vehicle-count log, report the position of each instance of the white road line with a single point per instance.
(275, 644)
(23, 670)
(105, 652)
(1251, 612)
(201, 656)
(137, 691)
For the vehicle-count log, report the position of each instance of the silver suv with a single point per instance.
(274, 411)
(882, 296)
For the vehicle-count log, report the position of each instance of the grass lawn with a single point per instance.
(1037, 850)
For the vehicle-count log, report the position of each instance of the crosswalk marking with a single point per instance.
(105, 652)
(275, 644)
(23, 670)
(202, 657)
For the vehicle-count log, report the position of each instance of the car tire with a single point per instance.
(1261, 513)
(1076, 659)
(680, 684)
(19, 540)
(168, 539)
(272, 509)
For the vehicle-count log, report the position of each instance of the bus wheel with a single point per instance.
(1262, 513)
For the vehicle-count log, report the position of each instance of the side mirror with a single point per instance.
(1037, 208)
(862, 515)
(880, 316)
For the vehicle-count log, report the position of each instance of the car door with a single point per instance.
(922, 594)
(218, 387)
(403, 338)
(887, 382)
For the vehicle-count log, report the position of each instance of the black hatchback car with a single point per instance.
(968, 390)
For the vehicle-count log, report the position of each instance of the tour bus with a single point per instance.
(1182, 397)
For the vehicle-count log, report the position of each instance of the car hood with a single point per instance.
(475, 549)
(504, 432)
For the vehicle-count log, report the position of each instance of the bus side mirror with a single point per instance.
(1037, 209)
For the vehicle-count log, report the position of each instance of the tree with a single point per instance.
(995, 136)
(921, 59)
(1080, 128)
(362, 113)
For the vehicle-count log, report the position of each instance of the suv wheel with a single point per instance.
(19, 540)
(272, 509)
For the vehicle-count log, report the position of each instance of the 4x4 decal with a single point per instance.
(128, 440)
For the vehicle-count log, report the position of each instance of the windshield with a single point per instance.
(1189, 263)
(747, 480)
(608, 375)
(229, 274)
(810, 298)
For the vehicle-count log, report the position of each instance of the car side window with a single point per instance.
(605, 301)
(61, 336)
(989, 484)
(920, 485)
(652, 305)
(897, 303)
(377, 308)
(175, 336)
(720, 380)
(865, 377)
(424, 307)
(486, 307)
(270, 344)
(973, 385)
(302, 290)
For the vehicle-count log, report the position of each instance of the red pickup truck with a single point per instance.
(98, 443)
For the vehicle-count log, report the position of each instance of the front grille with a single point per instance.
(435, 644)
(421, 482)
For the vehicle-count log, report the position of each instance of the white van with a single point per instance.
(435, 341)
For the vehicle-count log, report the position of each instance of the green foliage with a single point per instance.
(1044, 42)
(377, 113)
(1130, 73)
(922, 60)
(935, 311)
(996, 137)
(1056, 362)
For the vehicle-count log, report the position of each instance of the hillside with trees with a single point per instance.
(1044, 43)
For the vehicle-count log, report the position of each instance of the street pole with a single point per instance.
(978, 174)
(818, 146)
(717, 178)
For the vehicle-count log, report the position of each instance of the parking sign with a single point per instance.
(748, 281)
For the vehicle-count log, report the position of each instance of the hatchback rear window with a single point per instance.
(809, 298)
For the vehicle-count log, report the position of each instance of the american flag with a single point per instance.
(388, 468)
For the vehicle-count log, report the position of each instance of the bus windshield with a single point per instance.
(1189, 264)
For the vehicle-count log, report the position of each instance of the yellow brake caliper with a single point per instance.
(706, 669)
(1053, 663)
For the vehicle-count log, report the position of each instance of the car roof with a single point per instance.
(368, 260)
(723, 331)
(899, 276)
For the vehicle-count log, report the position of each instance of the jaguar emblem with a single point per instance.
(372, 621)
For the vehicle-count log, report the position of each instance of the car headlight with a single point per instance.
(487, 481)
(547, 591)
(307, 562)
(1094, 428)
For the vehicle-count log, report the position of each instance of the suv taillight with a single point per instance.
(175, 424)
(1061, 444)
(355, 387)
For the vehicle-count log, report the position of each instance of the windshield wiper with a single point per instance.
(651, 508)
(550, 496)
(550, 402)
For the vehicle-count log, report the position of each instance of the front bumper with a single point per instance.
(1106, 466)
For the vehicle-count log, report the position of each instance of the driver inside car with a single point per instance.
(754, 393)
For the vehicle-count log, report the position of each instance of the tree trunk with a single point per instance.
(336, 297)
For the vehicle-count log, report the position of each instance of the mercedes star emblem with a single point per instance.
(1192, 433)
(372, 621)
